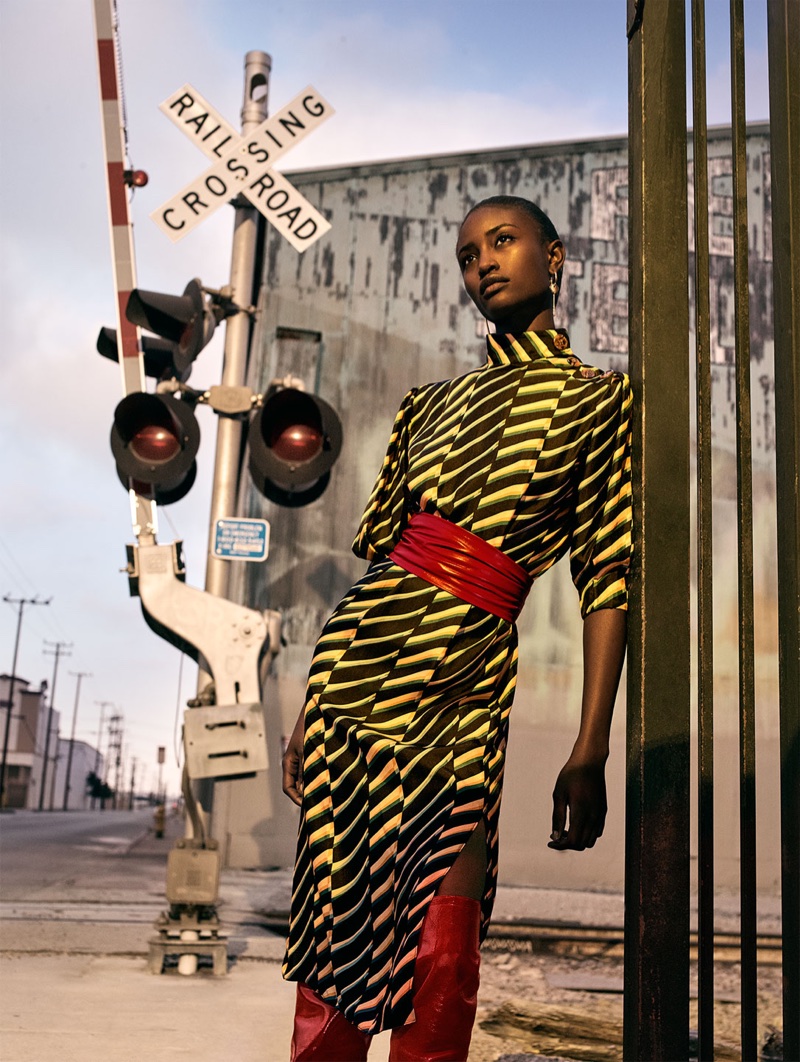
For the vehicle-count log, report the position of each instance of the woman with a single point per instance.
(397, 758)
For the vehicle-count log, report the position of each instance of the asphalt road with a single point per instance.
(43, 853)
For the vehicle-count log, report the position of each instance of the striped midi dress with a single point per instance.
(410, 688)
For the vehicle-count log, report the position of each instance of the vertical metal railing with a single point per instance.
(783, 35)
(656, 1004)
(744, 518)
(704, 542)
(657, 879)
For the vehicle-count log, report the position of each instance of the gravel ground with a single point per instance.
(542, 979)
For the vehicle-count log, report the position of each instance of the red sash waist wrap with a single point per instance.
(464, 564)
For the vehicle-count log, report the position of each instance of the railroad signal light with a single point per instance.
(159, 363)
(155, 439)
(294, 439)
(186, 321)
(184, 324)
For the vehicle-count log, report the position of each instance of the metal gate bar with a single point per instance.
(744, 516)
(705, 615)
(657, 878)
(783, 35)
(656, 1001)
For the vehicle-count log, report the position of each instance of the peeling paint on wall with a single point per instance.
(384, 290)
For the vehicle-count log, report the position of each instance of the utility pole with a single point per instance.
(21, 602)
(133, 783)
(79, 675)
(58, 650)
(115, 745)
(103, 706)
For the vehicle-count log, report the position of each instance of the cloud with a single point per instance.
(718, 88)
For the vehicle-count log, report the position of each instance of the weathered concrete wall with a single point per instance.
(384, 293)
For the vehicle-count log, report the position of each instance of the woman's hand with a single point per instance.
(293, 764)
(580, 790)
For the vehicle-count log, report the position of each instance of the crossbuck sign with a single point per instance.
(244, 165)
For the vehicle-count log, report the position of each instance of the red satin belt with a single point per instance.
(464, 564)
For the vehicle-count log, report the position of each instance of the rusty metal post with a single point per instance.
(783, 27)
(656, 1008)
(744, 522)
(705, 591)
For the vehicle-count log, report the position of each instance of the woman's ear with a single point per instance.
(556, 255)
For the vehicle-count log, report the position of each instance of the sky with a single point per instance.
(405, 78)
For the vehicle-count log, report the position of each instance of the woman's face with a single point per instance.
(506, 266)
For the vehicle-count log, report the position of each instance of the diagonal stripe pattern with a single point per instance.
(410, 689)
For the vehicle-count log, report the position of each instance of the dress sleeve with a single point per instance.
(381, 523)
(601, 546)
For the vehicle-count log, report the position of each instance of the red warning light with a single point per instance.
(135, 178)
(296, 442)
(155, 444)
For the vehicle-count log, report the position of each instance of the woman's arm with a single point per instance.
(580, 788)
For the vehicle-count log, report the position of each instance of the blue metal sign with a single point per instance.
(246, 540)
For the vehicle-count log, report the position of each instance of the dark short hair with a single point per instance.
(546, 226)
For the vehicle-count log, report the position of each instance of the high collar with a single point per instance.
(507, 349)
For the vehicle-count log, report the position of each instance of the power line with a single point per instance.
(25, 583)
(21, 602)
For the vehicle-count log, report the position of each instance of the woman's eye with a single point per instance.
(465, 260)
(504, 236)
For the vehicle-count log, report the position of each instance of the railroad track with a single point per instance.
(535, 937)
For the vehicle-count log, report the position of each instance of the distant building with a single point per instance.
(28, 729)
(25, 760)
(83, 762)
(376, 307)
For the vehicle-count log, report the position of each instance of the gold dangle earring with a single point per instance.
(554, 288)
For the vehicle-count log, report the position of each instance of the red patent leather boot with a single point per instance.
(446, 979)
(322, 1033)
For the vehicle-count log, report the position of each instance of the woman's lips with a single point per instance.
(491, 287)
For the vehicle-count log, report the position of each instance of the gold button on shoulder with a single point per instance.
(561, 342)
(574, 362)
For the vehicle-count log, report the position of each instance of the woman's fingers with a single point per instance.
(559, 816)
(293, 764)
(292, 778)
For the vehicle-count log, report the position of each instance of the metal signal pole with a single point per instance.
(21, 602)
(247, 225)
(79, 675)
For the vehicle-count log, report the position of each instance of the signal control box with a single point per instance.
(193, 873)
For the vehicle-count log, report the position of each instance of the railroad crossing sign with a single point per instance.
(244, 165)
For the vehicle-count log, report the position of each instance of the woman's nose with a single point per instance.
(486, 265)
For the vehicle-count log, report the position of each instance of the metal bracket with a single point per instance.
(225, 741)
(230, 400)
(229, 637)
